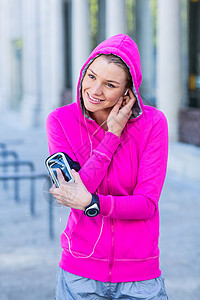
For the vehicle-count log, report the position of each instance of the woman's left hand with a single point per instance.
(74, 195)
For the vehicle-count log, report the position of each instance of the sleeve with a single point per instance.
(95, 168)
(143, 203)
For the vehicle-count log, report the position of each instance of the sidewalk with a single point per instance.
(179, 241)
(29, 259)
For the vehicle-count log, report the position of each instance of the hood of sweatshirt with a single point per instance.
(124, 47)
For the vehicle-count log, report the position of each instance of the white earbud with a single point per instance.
(126, 92)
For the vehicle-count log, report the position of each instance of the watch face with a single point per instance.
(92, 210)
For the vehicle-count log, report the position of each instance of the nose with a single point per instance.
(97, 89)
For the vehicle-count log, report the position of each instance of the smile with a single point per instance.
(93, 100)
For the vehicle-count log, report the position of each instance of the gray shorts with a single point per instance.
(73, 287)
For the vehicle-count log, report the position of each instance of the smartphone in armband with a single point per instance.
(58, 161)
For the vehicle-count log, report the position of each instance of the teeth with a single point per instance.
(94, 99)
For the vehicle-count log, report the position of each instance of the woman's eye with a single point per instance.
(91, 76)
(110, 85)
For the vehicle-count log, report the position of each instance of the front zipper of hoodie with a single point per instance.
(111, 259)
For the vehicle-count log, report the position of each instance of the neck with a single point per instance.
(100, 119)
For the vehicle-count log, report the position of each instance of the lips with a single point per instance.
(93, 100)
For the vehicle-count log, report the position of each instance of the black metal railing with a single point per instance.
(17, 176)
(5, 154)
(16, 164)
(34, 176)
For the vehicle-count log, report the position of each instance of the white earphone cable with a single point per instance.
(102, 223)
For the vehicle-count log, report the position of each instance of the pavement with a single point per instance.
(29, 258)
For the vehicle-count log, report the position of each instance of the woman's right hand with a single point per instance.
(120, 114)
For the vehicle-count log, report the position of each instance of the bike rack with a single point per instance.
(17, 164)
(5, 153)
(34, 176)
(16, 177)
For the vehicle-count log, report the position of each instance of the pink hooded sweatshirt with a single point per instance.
(121, 243)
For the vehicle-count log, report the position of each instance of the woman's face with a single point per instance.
(102, 86)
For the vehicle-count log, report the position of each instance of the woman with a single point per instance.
(121, 146)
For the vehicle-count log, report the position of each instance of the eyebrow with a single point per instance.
(106, 79)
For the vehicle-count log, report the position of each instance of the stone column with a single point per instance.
(144, 35)
(4, 55)
(31, 63)
(101, 20)
(52, 64)
(80, 39)
(115, 17)
(169, 84)
(43, 66)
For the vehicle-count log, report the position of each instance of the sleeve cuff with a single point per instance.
(106, 204)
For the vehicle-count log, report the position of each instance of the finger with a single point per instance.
(128, 106)
(117, 105)
(131, 102)
(76, 176)
(60, 176)
(131, 94)
(60, 201)
(126, 100)
(123, 103)
(52, 189)
(54, 192)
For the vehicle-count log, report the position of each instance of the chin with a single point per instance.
(90, 106)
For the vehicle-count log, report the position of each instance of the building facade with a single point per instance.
(44, 44)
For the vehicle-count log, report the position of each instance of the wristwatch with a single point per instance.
(93, 209)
